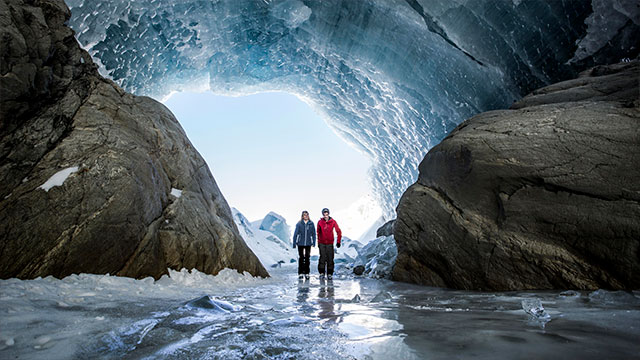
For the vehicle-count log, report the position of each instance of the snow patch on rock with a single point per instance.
(175, 192)
(58, 178)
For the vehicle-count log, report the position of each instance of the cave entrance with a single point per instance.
(272, 152)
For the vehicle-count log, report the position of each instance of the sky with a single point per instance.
(272, 152)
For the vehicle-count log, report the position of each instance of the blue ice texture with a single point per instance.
(378, 257)
(277, 225)
(391, 78)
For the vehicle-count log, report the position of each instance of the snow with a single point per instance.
(268, 247)
(58, 178)
(175, 192)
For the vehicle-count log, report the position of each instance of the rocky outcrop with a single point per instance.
(136, 198)
(544, 195)
(386, 229)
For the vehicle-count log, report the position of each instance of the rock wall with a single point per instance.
(139, 198)
(544, 195)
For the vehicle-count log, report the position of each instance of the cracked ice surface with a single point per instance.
(233, 316)
(392, 78)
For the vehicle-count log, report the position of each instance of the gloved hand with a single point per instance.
(338, 245)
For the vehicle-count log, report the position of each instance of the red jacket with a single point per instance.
(325, 231)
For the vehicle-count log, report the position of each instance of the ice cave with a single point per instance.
(392, 77)
(504, 142)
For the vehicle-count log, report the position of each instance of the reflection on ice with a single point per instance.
(92, 316)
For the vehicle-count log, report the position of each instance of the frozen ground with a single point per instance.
(231, 316)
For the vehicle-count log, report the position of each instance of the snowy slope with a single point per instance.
(268, 247)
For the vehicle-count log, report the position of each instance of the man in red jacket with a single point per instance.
(326, 225)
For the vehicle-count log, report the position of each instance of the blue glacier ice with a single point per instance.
(392, 78)
(378, 257)
(277, 225)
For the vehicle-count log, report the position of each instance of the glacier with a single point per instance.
(277, 225)
(271, 248)
(392, 78)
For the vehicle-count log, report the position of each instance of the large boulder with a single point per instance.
(544, 195)
(94, 179)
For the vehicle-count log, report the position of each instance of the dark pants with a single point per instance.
(303, 259)
(326, 259)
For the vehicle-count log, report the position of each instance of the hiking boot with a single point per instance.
(329, 277)
(306, 276)
(321, 277)
(301, 276)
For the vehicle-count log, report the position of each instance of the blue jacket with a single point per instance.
(305, 234)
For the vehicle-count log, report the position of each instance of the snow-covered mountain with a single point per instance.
(267, 245)
(277, 225)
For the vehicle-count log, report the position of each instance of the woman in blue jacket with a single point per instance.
(304, 237)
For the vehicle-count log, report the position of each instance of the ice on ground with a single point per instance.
(58, 178)
(537, 314)
(534, 308)
(47, 318)
(383, 296)
(289, 321)
(378, 257)
(613, 297)
(175, 192)
(196, 280)
(234, 316)
(206, 302)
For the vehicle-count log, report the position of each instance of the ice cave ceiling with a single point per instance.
(392, 77)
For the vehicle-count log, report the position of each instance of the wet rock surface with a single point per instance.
(137, 197)
(544, 195)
